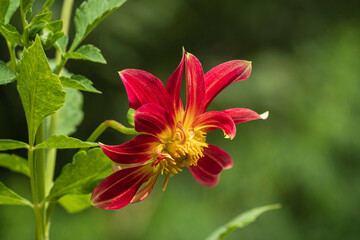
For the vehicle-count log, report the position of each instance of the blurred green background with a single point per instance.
(306, 156)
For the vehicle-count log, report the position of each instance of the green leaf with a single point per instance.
(9, 144)
(61, 44)
(71, 114)
(130, 117)
(11, 34)
(241, 221)
(8, 197)
(40, 90)
(26, 7)
(64, 142)
(87, 52)
(42, 17)
(14, 163)
(78, 82)
(13, 6)
(74, 203)
(89, 15)
(79, 176)
(4, 5)
(6, 75)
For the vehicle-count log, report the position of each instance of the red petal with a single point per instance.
(223, 75)
(209, 167)
(117, 190)
(142, 88)
(173, 85)
(210, 121)
(240, 115)
(145, 191)
(138, 150)
(155, 120)
(195, 89)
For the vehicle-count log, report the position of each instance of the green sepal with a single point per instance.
(64, 142)
(9, 197)
(14, 163)
(9, 144)
(78, 82)
(6, 74)
(87, 52)
(40, 90)
(79, 177)
(130, 117)
(241, 221)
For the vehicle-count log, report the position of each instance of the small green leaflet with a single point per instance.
(9, 144)
(26, 7)
(14, 163)
(89, 15)
(8, 197)
(71, 114)
(63, 142)
(78, 82)
(87, 52)
(47, 5)
(11, 34)
(74, 203)
(4, 4)
(130, 117)
(40, 90)
(80, 176)
(14, 4)
(241, 221)
(6, 75)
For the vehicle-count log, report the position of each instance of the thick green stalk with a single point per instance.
(36, 165)
(51, 154)
(25, 29)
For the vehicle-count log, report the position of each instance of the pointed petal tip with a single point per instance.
(264, 115)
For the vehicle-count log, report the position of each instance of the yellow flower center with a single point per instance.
(184, 149)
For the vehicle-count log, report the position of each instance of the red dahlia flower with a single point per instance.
(174, 138)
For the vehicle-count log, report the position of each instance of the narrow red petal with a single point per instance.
(240, 115)
(210, 121)
(209, 167)
(117, 190)
(146, 190)
(155, 120)
(138, 150)
(142, 88)
(195, 89)
(173, 85)
(223, 75)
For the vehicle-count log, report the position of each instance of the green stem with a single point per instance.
(65, 17)
(113, 124)
(12, 56)
(51, 153)
(36, 165)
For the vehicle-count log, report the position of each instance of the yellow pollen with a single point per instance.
(184, 149)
